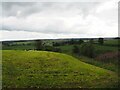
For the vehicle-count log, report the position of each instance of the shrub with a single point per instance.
(56, 44)
(48, 48)
(56, 49)
(91, 41)
(51, 48)
(80, 41)
(38, 45)
(76, 49)
(101, 41)
(87, 49)
(108, 57)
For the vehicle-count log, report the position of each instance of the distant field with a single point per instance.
(99, 49)
(18, 47)
(49, 69)
(112, 42)
(110, 45)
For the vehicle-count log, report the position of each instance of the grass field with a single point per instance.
(112, 42)
(18, 47)
(109, 45)
(44, 69)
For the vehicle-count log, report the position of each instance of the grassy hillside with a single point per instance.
(49, 69)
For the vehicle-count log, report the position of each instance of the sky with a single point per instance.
(53, 20)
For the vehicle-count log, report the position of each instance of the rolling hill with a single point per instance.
(42, 69)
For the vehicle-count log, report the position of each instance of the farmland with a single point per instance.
(44, 69)
(61, 63)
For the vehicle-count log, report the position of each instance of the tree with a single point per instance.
(81, 41)
(72, 41)
(91, 41)
(38, 45)
(56, 44)
(76, 49)
(87, 49)
(101, 41)
(56, 49)
(48, 48)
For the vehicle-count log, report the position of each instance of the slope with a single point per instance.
(42, 69)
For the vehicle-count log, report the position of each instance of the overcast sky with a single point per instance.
(50, 20)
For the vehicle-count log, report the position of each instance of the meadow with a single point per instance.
(57, 65)
(43, 69)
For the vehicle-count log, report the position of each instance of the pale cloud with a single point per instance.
(60, 20)
(24, 35)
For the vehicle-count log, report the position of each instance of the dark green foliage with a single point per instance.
(87, 49)
(80, 41)
(56, 44)
(38, 45)
(91, 41)
(48, 48)
(76, 49)
(101, 41)
(72, 41)
(6, 43)
(56, 49)
(51, 48)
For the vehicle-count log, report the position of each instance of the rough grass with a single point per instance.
(113, 65)
(43, 69)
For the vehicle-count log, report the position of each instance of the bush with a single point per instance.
(80, 41)
(109, 57)
(56, 44)
(56, 49)
(87, 49)
(38, 44)
(101, 41)
(76, 49)
(48, 48)
(91, 41)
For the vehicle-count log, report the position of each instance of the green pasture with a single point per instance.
(42, 69)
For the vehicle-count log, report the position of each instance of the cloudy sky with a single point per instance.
(50, 20)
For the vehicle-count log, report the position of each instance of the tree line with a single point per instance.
(80, 47)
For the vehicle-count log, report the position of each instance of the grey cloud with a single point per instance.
(11, 8)
(45, 17)
(9, 5)
(44, 9)
(49, 29)
(28, 8)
